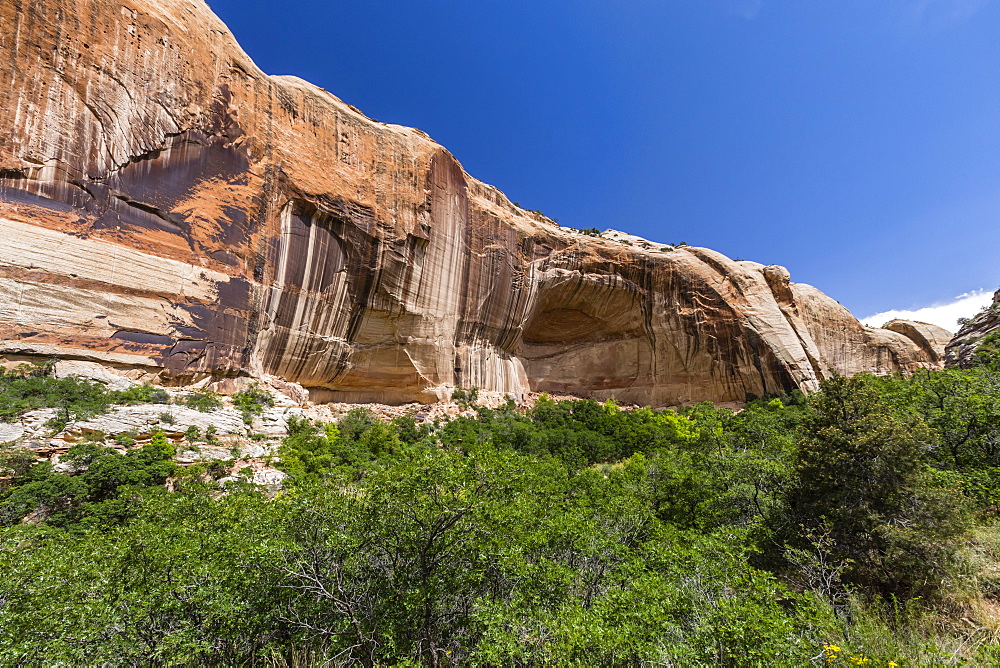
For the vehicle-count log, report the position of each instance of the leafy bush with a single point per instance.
(126, 439)
(355, 423)
(159, 397)
(314, 452)
(797, 531)
(859, 478)
(465, 398)
(202, 400)
(252, 402)
(28, 388)
(93, 495)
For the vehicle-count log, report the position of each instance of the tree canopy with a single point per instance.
(826, 529)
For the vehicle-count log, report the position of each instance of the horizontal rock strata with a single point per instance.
(165, 206)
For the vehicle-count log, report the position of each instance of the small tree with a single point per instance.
(861, 481)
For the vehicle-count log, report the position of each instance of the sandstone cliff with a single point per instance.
(167, 207)
(961, 350)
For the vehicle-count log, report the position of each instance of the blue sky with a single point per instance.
(856, 142)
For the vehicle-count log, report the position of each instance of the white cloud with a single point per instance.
(944, 315)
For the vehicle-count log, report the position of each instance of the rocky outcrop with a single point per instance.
(932, 339)
(167, 207)
(961, 350)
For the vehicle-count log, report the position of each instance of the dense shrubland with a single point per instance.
(855, 526)
(30, 387)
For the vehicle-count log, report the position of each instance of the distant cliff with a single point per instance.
(977, 331)
(166, 206)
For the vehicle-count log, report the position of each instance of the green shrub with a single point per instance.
(251, 402)
(159, 397)
(127, 439)
(465, 398)
(353, 424)
(29, 387)
(202, 400)
(797, 531)
(860, 479)
(92, 494)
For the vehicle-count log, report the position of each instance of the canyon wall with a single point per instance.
(168, 208)
(980, 330)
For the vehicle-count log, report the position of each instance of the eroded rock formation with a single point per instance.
(961, 350)
(932, 339)
(166, 206)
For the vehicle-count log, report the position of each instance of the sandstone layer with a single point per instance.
(961, 350)
(167, 207)
(932, 339)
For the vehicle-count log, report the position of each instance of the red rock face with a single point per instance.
(168, 207)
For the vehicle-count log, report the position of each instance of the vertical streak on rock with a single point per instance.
(210, 220)
(431, 342)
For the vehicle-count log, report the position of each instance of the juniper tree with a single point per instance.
(860, 478)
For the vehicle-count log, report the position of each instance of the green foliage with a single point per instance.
(94, 494)
(126, 439)
(465, 398)
(410, 432)
(139, 394)
(14, 463)
(29, 387)
(797, 531)
(355, 423)
(159, 397)
(252, 402)
(860, 477)
(176, 584)
(307, 452)
(315, 452)
(43, 493)
(987, 353)
(963, 408)
(202, 400)
(435, 557)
